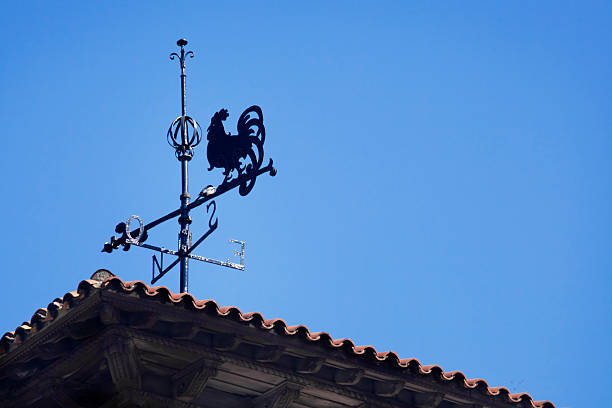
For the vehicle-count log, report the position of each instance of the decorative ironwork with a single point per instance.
(240, 156)
(181, 138)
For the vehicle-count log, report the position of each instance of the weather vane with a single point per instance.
(240, 156)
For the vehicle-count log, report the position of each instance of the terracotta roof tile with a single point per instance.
(46, 315)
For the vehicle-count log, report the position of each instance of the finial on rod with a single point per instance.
(182, 43)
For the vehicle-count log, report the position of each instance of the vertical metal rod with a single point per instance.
(184, 219)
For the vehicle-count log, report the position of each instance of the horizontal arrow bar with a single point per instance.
(220, 263)
(220, 190)
(224, 187)
(154, 248)
(227, 264)
(192, 256)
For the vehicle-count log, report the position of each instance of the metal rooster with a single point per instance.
(243, 152)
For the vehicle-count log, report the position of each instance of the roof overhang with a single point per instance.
(116, 343)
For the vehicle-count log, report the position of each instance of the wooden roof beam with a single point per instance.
(281, 396)
(57, 392)
(189, 383)
(309, 365)
(268, 354)
(225, 341)
(122, 361)
(427, 399)
(388, 388)
(349, 376)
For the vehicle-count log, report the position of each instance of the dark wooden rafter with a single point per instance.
(22, 370)
(83, 329)
(109, 314)
(309, 365)
(141, 320)
(349, 376)
(183, 330)
(122, 360)
(268, 354)
(427, 399)
(225, 341)
(189, 383)
(56, 391)
(49, 390)
(388, 388)
(141, 399)
(52, 351)
(29, 390)
(280, 396)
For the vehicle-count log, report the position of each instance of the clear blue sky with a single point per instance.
(444, 170)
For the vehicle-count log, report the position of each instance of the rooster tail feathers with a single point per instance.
(251, 123)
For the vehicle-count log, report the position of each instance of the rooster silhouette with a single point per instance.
(226, 151)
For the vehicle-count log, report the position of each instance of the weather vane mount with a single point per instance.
(241, 158)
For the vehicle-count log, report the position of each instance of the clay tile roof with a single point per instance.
(46, 316)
